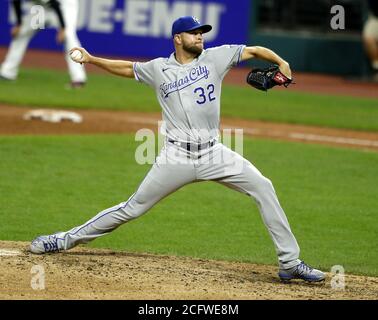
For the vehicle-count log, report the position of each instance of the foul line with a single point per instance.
(353, 141)
(9, 252)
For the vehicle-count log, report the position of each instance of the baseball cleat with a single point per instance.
(77, 84)
(44, 244)
(301, 271)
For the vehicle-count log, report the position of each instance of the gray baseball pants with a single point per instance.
(176, 167)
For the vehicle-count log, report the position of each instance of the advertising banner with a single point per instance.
(138, 28)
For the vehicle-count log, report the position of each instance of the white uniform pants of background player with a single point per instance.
(18, 46)
(174, 168)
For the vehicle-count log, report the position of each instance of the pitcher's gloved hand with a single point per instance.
(265, 79)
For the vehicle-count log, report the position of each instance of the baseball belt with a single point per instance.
(193, 147)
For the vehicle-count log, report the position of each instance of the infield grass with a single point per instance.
(49, 183)
(45, 88)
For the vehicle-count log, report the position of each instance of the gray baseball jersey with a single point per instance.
(189, 94)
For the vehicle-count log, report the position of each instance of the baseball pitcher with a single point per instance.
(188, 87)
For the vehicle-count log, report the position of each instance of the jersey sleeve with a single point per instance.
(225, 57)
(145, 71)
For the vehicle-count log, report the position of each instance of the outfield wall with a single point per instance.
(342, 56)
(142, 28)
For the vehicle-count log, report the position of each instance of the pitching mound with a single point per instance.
(84, 273)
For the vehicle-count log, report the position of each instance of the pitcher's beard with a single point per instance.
(193, 50)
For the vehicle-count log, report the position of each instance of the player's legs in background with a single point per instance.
(370, 41)
(166, 176)
(10, 67)
(229, 168)
(70, 10)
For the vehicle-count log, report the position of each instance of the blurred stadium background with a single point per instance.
(298, 29)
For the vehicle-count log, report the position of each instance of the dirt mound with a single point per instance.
(84, 273)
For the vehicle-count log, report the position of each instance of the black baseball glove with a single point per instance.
(264, 79)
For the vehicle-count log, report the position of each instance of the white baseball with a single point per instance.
(76, 55)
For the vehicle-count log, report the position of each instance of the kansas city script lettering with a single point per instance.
(193, 76)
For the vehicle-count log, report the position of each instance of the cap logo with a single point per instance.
(195, 19)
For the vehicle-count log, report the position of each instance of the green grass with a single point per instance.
(45, 88)
(51, 183)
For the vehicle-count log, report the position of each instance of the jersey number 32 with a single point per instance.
(205, 95)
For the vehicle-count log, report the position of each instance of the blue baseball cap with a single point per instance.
(189, 23)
